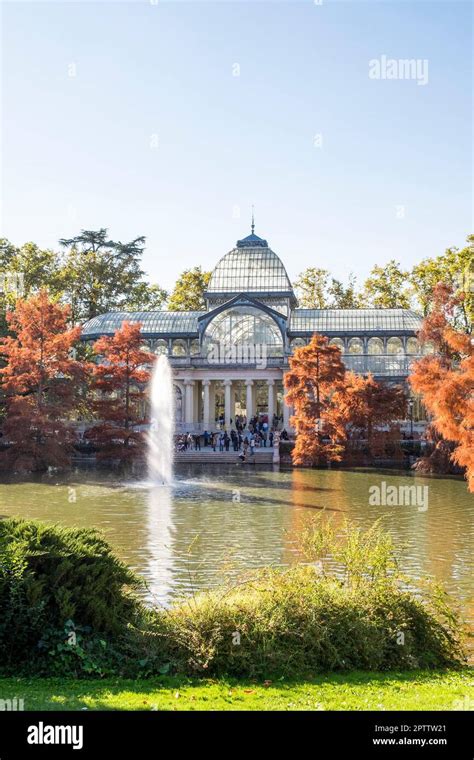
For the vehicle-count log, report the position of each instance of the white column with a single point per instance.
(212, 404)
(249, 401)
(286, 410)
(189, 404)
(196, 404)
(207, 407)
(227, 401)
(271, 400)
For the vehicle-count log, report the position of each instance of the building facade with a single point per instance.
(230, 359)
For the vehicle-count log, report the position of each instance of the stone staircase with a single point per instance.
(208, 456)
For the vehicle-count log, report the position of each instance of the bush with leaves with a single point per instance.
(348, 608)
(50, 575)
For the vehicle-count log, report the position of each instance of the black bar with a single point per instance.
(325, 734)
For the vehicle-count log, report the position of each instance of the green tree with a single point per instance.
(316, 289)
(455, 269)
(386, 288)
(146, 297)
(344, 296)
(38, 267)
(100, 275)
(312, 288)
(24, 271)
(188, 293)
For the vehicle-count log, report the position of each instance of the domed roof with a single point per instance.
(251, 267)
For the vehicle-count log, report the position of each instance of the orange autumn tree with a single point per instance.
(41, 383)
(445, 381)
(316, 372)
(119, 384)
(370, 408)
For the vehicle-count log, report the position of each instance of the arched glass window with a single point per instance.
(195, 348)
(356, 346)
(178, 348)
(375, 346)
(339, 343)
(394, 346)
(413, 346)
(297, 342)
(244, 326)
(161, 347)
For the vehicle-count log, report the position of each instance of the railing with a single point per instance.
(386, 365)
(202, 361)
(382, 365)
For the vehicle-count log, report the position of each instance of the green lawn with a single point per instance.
(418, 690)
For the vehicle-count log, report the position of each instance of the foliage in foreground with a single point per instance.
(66, 609)
(51, 575)
(309, 620)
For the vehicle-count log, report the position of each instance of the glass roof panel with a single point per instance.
(249, 270)
(354, 320)
(153, 322)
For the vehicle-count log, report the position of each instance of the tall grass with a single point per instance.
(347, 608)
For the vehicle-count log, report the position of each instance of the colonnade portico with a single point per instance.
(239, 392)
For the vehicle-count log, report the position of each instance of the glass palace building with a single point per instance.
(231, 358)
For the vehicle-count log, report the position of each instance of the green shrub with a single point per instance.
(346, 610)
(50, 575)
(297, 622)
(77, 650)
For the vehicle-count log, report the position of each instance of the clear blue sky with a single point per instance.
(77, 150)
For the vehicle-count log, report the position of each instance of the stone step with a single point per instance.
(221, 457)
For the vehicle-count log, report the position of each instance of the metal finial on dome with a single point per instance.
(252, 240)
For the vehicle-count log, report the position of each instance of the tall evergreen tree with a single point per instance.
(100, 275)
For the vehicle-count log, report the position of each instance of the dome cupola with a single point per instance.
(251, 267)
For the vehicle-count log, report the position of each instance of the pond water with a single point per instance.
(219, 521)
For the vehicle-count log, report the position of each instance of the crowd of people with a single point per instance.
(244, 437)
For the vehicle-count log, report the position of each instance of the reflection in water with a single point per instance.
(159, 539)
(215, 522)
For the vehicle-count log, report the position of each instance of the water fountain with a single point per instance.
(160, 435)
